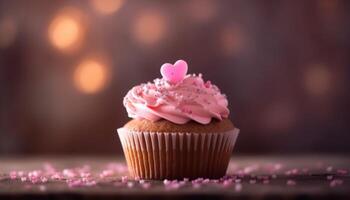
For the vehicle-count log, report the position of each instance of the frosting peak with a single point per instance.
(179, 101)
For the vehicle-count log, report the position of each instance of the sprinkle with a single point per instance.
(42, 188)
(56, 176)
(130, 184)
(238, 187)
(13, 175)
(146, 185)
(277, 166)
(238, 180)
(106, 173)
(49, 168)
(75, 183)
(205, 181)
(335, 182)
(342, 171)
(329, 169)
(291, 183)
(20, 173)
(295, 171)
(68, 173)
(215, 181)
(173, 185)
(166, 182)
(182, 183)
(43, 179)
(90, 183)
(34, 174)
(252, 181)
(85, 174)
(227, 183)
(124, 179)
(34, 181)
(196, 185)
(250, 169)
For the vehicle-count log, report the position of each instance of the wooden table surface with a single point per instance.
(306, 177)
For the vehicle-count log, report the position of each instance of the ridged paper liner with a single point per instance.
(151, 155)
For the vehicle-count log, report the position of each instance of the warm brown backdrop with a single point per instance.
(66, 65)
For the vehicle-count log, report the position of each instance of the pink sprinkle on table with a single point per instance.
(130, 184)
(329, 169)
(238, 187)
(252, 181)
(42, 187)
(336, 182)
(291, 183)
(13, 174)
(342, 171)
(146, 185)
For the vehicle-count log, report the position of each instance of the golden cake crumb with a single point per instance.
(215, 126)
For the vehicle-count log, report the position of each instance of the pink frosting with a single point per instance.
(189, 99)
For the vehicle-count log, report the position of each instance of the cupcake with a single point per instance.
(179, 127)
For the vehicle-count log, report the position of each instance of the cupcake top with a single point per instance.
(177, 97)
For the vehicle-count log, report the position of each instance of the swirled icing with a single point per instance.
(188, 99)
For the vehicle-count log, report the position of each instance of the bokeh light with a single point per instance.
(232, 40)
(317, 79)
(90, 76)
(149, 27)
(329, 8)
(8, 32)
(202, 10)
(279, 116)
(106, 7)
(66, 30)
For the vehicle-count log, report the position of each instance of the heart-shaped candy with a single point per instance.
(174, 73)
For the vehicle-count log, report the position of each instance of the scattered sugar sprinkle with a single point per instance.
(238, 187)
(237, 176)
(342, 171)
(42, 188)
(336, 182)
(252, 181)
(329, 169)
(130, 184)
(291, 182)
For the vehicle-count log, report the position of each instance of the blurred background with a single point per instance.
(66, 65)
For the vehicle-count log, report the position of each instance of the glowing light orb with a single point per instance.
(317, 80)
(149, 28)
(232, 40)
(106, 7)
(8, 32)
(90, 76)
(66, 31)
(202, 10)
(278, 117)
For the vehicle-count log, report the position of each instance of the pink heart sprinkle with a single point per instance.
(174, 73)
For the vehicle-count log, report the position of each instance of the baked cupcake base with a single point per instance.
(172, 155)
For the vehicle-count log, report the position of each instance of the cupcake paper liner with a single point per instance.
(153, 155)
